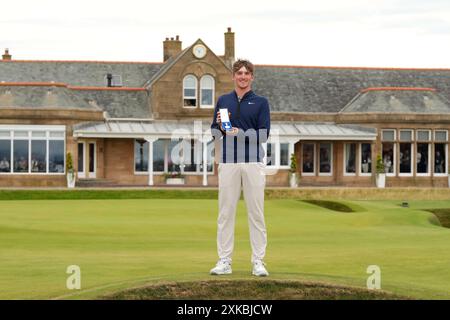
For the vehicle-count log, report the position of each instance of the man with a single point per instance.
(241, 165)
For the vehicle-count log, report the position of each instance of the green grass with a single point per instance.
(124, 243)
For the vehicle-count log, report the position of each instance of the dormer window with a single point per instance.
(190, 91)
(113, 80)
(206, 91)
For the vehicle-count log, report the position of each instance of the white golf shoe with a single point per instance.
(223, 266)
(259, 269)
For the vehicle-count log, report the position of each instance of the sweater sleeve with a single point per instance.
(264, 122)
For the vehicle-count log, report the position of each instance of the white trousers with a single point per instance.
(251, 176)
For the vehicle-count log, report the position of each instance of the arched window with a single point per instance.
(207, 92)
(190, 91)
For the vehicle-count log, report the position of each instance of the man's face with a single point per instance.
(243, 78)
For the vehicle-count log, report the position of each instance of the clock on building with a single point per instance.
(199, 51)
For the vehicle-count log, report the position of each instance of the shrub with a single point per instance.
(380, 165)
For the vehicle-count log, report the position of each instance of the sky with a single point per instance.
(360, 33)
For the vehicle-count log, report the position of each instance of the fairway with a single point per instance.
(120, 244)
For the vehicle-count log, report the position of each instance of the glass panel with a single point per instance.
(192, 155)
(388, 157)
(422, 158)
(38, 155)
(284, 154)
(440, 136)
(423, 135)
(439, 158)
(210, 155)
(189, 82)
(174, 156)
(366, 158)
(189, 93)
(388, 135)
(39, 134)
(56, 156)
(140, 155)
(5, 156)
(308, 158)
(406, 135)
(81, 157)
(5, 134)
(20, 156)
(190, 102)
(57, 134)
(91, 157)
(405, 158)
(325, 158)
(158, 155)
(207, 82)
(350, 157)
(270, 155)
(21, 134)
(207, 98)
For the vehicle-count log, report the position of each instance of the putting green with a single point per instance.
(124, 243)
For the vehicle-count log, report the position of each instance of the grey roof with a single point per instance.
(77, 73)
(119, 128)
(120, 103)
(399, 101)
(329, 89)
(284, 130)
(42, 97)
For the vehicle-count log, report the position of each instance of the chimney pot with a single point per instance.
(171, 47)
(6, 55)
(229, 48)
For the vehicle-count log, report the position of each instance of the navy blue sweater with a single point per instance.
(251, 116)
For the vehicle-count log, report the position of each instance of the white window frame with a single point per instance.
(207, 106)
(364, 174)
(350, 174)
(429, 160)
(326, 174)
(423, 130)
(29, 128)
(440, 141)
(198, 172)
(395, 135)
(411, 162)
(406, 130)
(195, 96)
(394, 160)
(309, 174)
(446, 152)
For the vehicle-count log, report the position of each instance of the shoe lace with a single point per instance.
(259, 263)
(223, 261)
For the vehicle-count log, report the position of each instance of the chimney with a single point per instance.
(229, 48)
(6, 55)
(172, 47)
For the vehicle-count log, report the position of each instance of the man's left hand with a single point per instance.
(233, 132)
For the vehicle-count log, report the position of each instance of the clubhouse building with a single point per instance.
(123, 122)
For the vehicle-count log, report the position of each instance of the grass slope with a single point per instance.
(119, 244)
(250, 290)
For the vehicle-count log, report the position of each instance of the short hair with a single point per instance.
(243, 63)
